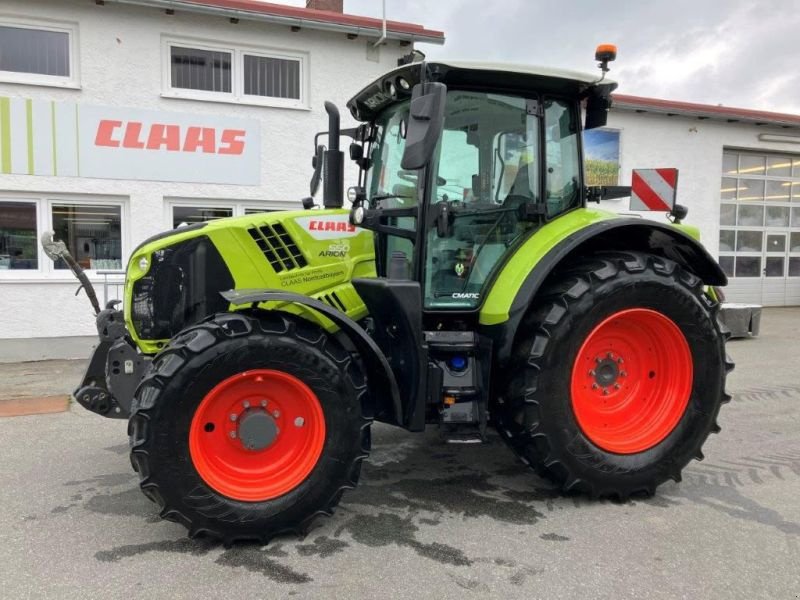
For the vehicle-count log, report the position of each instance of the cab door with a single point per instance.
(395, 192)
(496, 185)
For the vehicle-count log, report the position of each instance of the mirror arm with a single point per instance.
(351, 132)
(596, 193)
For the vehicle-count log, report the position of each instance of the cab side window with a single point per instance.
(563, 176)
(458, 169)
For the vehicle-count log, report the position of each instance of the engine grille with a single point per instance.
(278, 247)
(181, 287)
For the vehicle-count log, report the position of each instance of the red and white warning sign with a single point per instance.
(654, 189)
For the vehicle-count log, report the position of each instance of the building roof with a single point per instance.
(705, 111)
(295, 16)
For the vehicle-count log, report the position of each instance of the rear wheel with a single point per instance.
(248, 426)
(618, 375)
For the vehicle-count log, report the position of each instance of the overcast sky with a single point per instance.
(743, 53)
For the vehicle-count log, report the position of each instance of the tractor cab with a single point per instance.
(461, 161)
(459, 164)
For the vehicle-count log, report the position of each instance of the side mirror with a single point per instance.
(426, 118)
(678, 213)
(597, 105)
(316, 162)
(356, 152)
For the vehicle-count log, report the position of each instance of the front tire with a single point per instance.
(248, 426)
(617, 376)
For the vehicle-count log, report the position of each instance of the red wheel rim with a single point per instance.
(291, 429)
(631, 381)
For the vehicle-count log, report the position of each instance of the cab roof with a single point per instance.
(508, 77)
(520, 69)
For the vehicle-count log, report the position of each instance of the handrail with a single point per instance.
(108, 281)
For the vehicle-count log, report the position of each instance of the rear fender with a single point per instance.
(608, 234)
(381, 382)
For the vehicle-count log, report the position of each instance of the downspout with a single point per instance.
(382, 39)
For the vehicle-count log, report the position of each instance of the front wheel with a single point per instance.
(617, 377)
(249, 425)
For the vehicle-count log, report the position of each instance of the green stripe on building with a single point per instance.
(5, 135)
(29, 119)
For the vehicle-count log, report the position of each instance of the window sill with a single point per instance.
(265, 103)
(33, 80)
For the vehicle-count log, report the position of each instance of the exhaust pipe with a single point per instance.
(333, 182)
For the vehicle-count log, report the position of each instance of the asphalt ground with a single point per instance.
(429, 520)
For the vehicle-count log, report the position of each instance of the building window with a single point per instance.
(18, 236)
(199, 71)
(189, 215)
(204, 70)
(37, 54)
(187, 212)
(759, 214)
(92, 231)
(271, 77)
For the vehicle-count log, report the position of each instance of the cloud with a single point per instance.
(732, 52)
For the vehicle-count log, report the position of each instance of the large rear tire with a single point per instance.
(248, 426)
(617, 376)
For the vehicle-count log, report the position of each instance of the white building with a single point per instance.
(739, 174)
(121, 118)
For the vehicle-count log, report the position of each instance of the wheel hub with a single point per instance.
(257, 429)
(607, 372)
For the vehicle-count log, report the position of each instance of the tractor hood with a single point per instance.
(176, 278)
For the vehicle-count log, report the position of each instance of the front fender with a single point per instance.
(583, 232)
(380, 378)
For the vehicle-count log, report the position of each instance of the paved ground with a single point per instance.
(36, 379)
(429, 520)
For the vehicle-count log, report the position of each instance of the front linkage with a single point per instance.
(116, 368)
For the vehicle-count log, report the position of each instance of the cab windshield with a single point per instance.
(479, 128)
(388, 181)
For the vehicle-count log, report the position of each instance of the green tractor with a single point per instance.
(470, 285)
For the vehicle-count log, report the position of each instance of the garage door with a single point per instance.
(759, 242)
